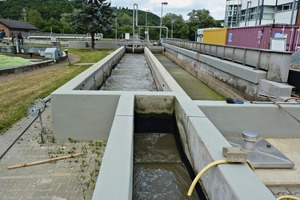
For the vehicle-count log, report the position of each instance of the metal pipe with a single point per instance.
(162, 5)
(291, 37)
(296, 45)
(256, 17)
(261, 11)
(293, 11)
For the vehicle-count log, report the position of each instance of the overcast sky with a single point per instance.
(183, 7)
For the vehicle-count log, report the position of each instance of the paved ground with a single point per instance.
(72, 178)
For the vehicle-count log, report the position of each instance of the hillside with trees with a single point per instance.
(51, 16)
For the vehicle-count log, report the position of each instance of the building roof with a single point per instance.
(14, 24)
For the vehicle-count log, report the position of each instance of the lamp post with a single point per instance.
(146, 17)
(173, 20)
(162, 5)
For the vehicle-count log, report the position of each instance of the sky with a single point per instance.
(182, 7)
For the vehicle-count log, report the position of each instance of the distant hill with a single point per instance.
(47, 14)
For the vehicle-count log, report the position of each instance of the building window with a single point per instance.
(284, 7)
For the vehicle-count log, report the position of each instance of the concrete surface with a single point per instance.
(290, 147)
(62, 180)
(115, 178)
(271, 88)
(202, 140)
(265, 118)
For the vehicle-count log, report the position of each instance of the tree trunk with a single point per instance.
(93, 40)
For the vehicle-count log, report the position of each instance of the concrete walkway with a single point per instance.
(72, 178)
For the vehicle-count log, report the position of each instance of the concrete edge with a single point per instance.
(87, 79)
(203, 144)
(238, 70)
(25, 68)
(117, 163)
(162, 77)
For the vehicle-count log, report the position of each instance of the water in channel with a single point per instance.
(131, 74)
(161, 170)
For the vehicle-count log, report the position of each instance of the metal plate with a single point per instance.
(264, 154)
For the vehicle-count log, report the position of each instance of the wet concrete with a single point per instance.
(191, 85)
(159, 172)
(131, 74)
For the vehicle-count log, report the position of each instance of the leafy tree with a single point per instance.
(92, 16)
(200, 19)
(180, 28)
(35, 18)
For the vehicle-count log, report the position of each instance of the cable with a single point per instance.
(288, 197)
(19, 136)
(215, 163)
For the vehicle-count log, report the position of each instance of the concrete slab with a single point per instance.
(274, 89)
(289, 147)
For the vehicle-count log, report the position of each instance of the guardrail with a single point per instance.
(277, 63)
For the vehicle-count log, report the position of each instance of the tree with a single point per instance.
(180, 28)
(35, 18)
(200, 19)
(93, 16)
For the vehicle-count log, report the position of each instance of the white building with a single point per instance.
(232, 13)
(260, 12)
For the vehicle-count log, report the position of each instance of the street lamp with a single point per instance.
(173, 20)
(162, 4)
(146, 17)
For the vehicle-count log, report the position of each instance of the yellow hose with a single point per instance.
(289, 98)
(215, 163)
(288, 197)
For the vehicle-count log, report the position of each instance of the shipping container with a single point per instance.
(215, 36)
(277, 37)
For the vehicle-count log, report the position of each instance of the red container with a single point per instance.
(259, 37)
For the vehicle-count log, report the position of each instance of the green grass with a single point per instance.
(90, 56)
(17, 93)
(12, 61)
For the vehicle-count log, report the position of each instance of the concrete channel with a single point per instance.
(160, 169)
(202, 127)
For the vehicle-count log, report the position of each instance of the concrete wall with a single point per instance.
(82, 114)
(115, 177)
(201, 140)
(163, 79)
(26, 68)
(203, 144)
(276, 63)
(22, 49)
(240, 81)
(98, 44)
(265, 118)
